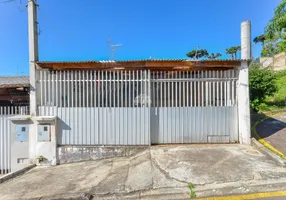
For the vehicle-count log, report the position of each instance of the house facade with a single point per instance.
(87, 105)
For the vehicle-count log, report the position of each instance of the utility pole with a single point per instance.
(243, 85)
(33, 53)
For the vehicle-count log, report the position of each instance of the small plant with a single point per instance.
(42, 159)
(193, 193)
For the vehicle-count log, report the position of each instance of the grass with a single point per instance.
(193, 193)
(277, 101)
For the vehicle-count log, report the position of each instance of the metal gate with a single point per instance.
(141, 107)
(98, 107)
(5, 135)
(194, 107)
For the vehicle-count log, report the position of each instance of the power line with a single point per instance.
(8, 1)
(19, 5)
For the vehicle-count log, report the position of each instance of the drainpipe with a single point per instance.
(243, 85)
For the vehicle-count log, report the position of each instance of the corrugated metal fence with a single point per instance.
(5, 135)
(139, 107)
(98, 107)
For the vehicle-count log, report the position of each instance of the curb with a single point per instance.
(259, 142)
(16, 173)
(248, 196)
(268, 152)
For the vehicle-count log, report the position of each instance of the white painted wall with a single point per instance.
(276, 63)
(19, 152)
(46, 149)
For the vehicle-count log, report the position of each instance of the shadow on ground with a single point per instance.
(273, 131)
(269, 127)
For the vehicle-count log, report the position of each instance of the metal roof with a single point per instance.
(141, 60)
(151, 64)
(14, 81)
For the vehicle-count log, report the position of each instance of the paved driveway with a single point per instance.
(273, 130)
(159, 172)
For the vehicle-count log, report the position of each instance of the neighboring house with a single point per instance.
(14, 90)
(276, 63)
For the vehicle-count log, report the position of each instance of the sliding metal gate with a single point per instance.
(194, 107)
(98, 107)
(141, 107)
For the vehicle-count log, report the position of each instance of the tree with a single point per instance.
(261, 84)
(275, 37)
(260, 38)
(197, 54)
(270, 49)
(233, 51)
(278, 22)
(281, 45)
(213, 56)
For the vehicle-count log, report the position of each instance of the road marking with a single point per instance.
(262, 141)
(248, 196)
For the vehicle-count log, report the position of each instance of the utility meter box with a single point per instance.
(44, 132)
(22, 133)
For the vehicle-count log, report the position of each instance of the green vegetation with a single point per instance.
(213, 56)
(277, 100)
(42, 159)
(233, 51)
(198, 53)
(274, 38)
(267, 89)
(202, 53)
(193, 193)
(261, 85)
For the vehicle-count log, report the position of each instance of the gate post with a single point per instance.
(243, 84)
(149, 106)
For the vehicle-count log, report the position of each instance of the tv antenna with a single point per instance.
(112, 48)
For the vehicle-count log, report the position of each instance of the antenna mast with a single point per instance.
(112, 48)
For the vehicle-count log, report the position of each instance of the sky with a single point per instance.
(73, 30)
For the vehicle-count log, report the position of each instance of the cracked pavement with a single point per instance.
(157, 172)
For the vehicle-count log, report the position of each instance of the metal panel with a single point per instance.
(118, 116)
(136, 107)
(199, 123)
(22, 133)
(44, 133)
(5, 135)
(206, 115)
(101, 129)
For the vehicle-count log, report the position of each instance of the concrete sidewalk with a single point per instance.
(161, 172)
(273, 131)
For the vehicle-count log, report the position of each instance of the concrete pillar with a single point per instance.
(33, 58)
(243, 85)
(33, 54)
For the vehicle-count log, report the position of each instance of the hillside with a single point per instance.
(277, 101)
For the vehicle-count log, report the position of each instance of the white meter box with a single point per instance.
(44, 133)
(22, 133)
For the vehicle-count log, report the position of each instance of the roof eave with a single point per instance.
(141, 64)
